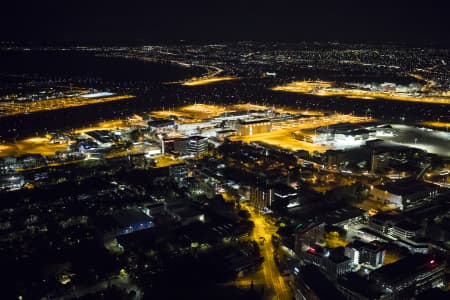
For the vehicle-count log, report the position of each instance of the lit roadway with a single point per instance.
(272, 276)
(207, 80)
(212, 75)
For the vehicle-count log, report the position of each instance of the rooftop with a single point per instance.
(407, 267)
(319, 283)
(256, 121)
(357, 244)
(406, 187)
(129, 217)
(361, 286)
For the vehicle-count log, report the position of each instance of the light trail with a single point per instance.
(212, 75)
(207, 80)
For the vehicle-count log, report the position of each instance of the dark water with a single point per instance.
(88, 65)
(35, 70)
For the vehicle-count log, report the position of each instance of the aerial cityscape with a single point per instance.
(245, 168)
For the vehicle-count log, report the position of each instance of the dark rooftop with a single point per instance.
(361, 286)
(406, 267)
(357, 244)
(319, 283)
(258, 121)
(406, 225)
(406, 187)
(342, 214)
(161, 123)
(126, 218)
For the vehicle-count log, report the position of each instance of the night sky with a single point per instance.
(278, 20)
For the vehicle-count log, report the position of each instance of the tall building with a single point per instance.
(261, 197)
(311, 283)
(193, 145)
(197, 145)
(365, 253)
(379, 162)
(178, 172)
(286, 194)
(309, 235)
(332, 262)
(252, 127)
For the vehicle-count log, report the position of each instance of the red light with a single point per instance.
(311, 250)
(432, 261)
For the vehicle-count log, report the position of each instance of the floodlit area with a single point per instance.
(162, 161)
(207, 80)
(46, 146)
(283, 139)
(10, 108)
(444, 125)
(282, 132)
(199, 112)
(104, 125)
(432, 141)
(194, 112)
(324, 88)
(34, 145)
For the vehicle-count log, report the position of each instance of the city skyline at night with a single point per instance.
(235, 150)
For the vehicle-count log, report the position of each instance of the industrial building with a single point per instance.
(365, 253)
(342, 136)
(412, 275)
(251, 127)
(311, 283)
(404, 194)
(331, 261)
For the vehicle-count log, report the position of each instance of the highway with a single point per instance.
(212, 75)
(207, 80)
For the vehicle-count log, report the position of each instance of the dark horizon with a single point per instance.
(284, 21)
